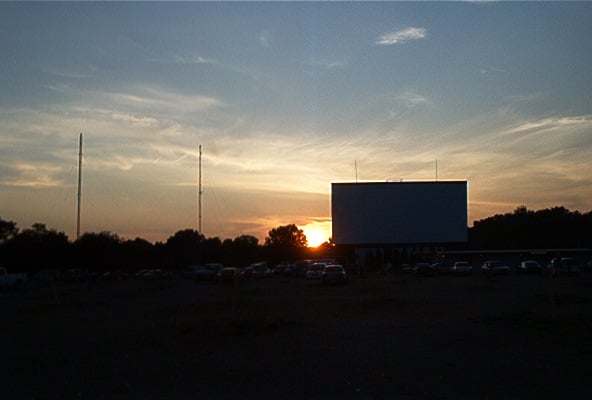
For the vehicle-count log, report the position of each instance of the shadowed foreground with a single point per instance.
(377, 338)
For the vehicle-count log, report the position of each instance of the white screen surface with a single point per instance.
(399, 212)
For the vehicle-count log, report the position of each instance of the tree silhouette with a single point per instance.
(549, 228)
(184, 248)
(37, 248)
(285, 243)
(245, 249)
(287, 235)
(98, 252)
(8, 230)
(138, 254)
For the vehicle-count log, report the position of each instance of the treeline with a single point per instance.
(38, 248)
(555, 227)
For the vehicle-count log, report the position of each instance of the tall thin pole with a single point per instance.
(436, 170)
(200, 191)
(79, 187)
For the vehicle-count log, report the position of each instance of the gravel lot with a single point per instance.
(384, 337)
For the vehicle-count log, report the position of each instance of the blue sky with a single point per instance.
(286, 98)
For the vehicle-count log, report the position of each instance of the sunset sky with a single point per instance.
(284, 99)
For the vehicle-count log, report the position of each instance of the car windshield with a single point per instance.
(334, 268)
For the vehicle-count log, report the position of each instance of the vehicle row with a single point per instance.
(564, 265)
(311, 270)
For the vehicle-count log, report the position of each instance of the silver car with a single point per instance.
(334, 274)
(495, 268)
(461, 268)
(530, 266)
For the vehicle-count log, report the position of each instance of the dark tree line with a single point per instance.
(555, 227)
(38, 248)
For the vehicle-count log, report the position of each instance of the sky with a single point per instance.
(286, 98)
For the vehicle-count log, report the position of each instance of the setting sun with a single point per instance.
(317, 233)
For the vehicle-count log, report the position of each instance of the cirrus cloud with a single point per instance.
(402, 36)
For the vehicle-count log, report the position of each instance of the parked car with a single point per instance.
(156, 273)
(260, 271)
(495, 268)
(207, 272)
(441, 268)
(461, 268)
(279, 269)
(386, 268)
(334, 274)
(13, 280)
(76, 275)
(315, 271)
(283, 270)
(406, 268)
(424, 269)
(530, 267)
(300, 268)
(47, 275)
(228, 275)
(564, 265)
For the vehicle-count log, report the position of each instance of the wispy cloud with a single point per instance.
(23, 174)
(550, 124)
(195, 59)
(265, 39)
(325, 63)
(73, 74)
(153, 98)
(492, 70)
(402, 36)
(142, 97)
(412, 99)
(243, 70)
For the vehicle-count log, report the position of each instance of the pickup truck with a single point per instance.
(11, 280)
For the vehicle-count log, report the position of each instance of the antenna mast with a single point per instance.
(199, 193)
(436, 170)
(79, 186)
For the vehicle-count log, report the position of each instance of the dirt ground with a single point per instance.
(383, 337)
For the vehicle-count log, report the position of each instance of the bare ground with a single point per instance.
(394, 337)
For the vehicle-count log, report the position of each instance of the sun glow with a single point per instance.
(317, 233)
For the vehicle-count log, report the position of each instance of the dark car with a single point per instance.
(227, 275)
(207, 272)
(461, 268)
(565, 265)
(424, 269)
(441, 268)
(334, 275)
(315, 271)
(405, 268)
(530, 267)
(300, 268)
(156, 274)
(495, 268)
(261, 271)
